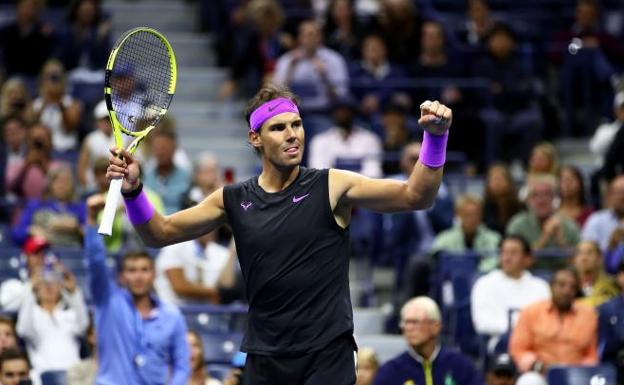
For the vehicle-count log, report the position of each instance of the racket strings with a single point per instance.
(141, 79)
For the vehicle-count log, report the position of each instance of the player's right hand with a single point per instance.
(126, 167)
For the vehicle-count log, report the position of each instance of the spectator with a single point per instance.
(605, 133)
(27, 42)
(367, 365)
(499, 294)
(573, 202)
(14, 135)
(15, 101)
(613, 163)
(501, 370)
(57, 217)
(57, 109)
(586, 70)
(84, 372)
(189, 271)
(426, 361)
(557, 331)
(85, 42)
(501, 198)
(316, 73)
(375, 81)
(95, 145)
(469, 233)
(256, 47)
(199, 375)
(596, 286)
(396, 135)
(166, 178)
(342, 29)
(346, 145)
(51, 319)
(180, 157)
(139, 338)
(14, 368)
(515, 119)
(8, 337)
(13, 291)
(479, 23)
(410, 235)
(28, 178)
(611, 327)
(601, 226)
(543, 160)
(540, 224)
(399, 24)
(206, 179)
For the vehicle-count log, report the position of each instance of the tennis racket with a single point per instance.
(139, 84)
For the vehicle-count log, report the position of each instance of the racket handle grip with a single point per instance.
(112, 202)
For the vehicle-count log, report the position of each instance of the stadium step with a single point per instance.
(165, 16)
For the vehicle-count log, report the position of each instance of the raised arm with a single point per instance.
(420, 189)
(155, 229)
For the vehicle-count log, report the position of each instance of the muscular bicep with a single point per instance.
(186, 224)
(383, 195)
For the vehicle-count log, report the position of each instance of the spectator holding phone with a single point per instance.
(52, 317)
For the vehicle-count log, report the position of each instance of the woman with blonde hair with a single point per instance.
(597, 287)
(56, 108)
(367, 366)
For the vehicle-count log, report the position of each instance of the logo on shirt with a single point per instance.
(297, 199)
(246, 205)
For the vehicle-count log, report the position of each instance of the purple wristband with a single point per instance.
(139, 209)
(433, 150)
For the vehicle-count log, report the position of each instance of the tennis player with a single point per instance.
(290, 225)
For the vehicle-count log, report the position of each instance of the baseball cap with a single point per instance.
(100, 111)
(35, 244)
(502, 364)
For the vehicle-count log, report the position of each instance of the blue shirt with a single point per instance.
(170, 188)
(611, 328)
(130, 349)
(446, 368)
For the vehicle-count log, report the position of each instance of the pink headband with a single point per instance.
(268, 110)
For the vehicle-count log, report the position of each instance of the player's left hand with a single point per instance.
(435, 118)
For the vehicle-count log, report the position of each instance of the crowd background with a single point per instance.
(531, 208)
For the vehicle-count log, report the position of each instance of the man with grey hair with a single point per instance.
(540, 224)
(426, 361)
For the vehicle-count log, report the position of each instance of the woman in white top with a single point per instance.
(51, 319)
(199, 375)
(56, 109)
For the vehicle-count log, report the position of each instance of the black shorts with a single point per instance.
(332, 365)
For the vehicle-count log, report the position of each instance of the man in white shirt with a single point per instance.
(498, 294)
(190, 271)
(347, 146)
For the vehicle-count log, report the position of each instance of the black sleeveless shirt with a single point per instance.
(295, 262)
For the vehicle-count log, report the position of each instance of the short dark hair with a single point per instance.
(570, 270)
(133, 255)
(8, 321)
(526, 246)
(268, 92)
(13, 354)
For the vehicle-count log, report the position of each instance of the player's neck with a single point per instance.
(273, 179)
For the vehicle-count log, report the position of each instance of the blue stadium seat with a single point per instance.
(581, 375)
(54, 377)
(220, 348)
(215, 318)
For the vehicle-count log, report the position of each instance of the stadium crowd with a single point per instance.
(517, 269)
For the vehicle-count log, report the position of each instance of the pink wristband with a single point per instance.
(139, 209)
(433, 150)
